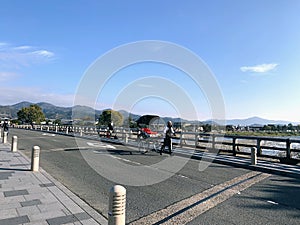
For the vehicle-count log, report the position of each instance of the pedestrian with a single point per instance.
(5, 126)
(169, 132)
(110, 129)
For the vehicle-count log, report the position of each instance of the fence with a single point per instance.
(284, 149)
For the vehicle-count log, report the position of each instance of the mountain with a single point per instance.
(255, 121)
(51, 111)
(88, 113)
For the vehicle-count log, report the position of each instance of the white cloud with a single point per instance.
(262, 68)
(3, 44)
(23, 47)
(4, 76)
(22, 56)
(44, 53)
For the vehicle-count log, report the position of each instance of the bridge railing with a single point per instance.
(280, 148)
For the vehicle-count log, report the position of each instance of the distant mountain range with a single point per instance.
(50, 111)
(255, 121)
(65, 113)
(57, 112)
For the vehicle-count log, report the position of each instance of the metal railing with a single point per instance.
(284, 149)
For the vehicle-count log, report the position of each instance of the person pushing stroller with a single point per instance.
(169, 132)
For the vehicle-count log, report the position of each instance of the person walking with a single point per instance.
(5, 126)
(169, 132)
(110, 129)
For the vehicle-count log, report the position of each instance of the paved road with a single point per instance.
(218, 195)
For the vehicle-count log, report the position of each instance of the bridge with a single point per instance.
(228, 191)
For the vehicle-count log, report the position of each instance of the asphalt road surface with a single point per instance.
(220, 194)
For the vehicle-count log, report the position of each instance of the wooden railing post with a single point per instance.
(213, 143)
(288, 148)
(234, 146)
(196, 140)
(259, 152)
(181, 136)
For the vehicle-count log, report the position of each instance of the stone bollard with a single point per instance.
(253, 156)
(80, 132)
(67, 130)
(126, 138)
(117, 205)
(35, 158)
(4, 139)
(14, 144)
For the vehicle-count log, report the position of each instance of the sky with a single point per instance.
(250, 47)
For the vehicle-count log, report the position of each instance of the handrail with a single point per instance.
(288, 148)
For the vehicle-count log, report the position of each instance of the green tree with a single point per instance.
(109, 116)
(290, 127)
(32, 114)
(57, 121)
(207, 128)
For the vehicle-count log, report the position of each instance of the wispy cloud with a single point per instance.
(4, 76)
(262, 68)
(43, 53)
(12, 56)
(3, 44)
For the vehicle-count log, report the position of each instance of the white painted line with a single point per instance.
(180, 175)
(188, 209)
(47, 134)
(271, 202)
(126, 160)
(100, 145)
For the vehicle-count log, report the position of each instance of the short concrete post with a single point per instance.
(253, 156)
(14, 144)
(4, 139)
(126, 138)
(117, 205)
(80, 132)
(67, 130)
(56, 129)
(35, 158)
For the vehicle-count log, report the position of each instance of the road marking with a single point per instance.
(188, 209)
(47, 134)
(90, 144)
(271, 202)
(100, 145)
(180, 175)
(126, 160)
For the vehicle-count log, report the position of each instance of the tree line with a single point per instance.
(34, 115)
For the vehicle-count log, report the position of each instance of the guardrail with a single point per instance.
(287, 150)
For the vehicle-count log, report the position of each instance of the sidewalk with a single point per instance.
(36, 198)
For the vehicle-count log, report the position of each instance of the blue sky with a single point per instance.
(251, 46)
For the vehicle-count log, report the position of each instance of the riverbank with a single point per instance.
(264, 133)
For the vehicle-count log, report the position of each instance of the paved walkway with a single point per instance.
(36, 198)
